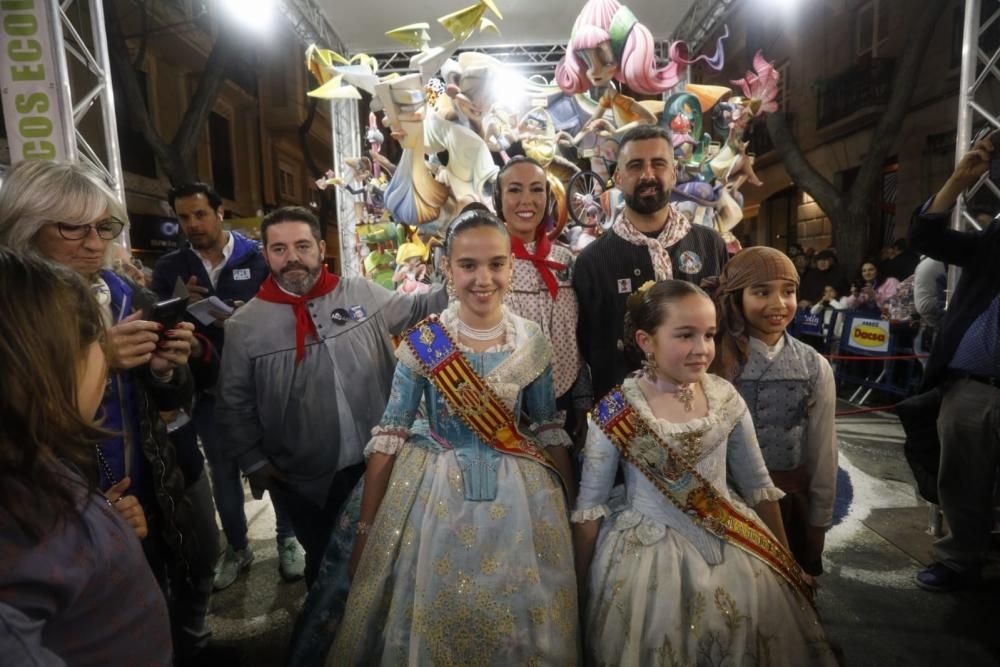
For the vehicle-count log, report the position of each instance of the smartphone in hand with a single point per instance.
(168, 313)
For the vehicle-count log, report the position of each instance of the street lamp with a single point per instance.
(256, 15)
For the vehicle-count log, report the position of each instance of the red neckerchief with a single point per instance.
(269, 291)
(540, 259)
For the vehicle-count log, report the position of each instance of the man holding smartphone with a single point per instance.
(227, 265)
(965, 365)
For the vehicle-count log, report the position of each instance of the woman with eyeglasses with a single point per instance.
(64, 212)
(75, 588)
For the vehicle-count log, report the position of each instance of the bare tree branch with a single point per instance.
(209, 85)
(904, 85)
(140, 56)
(122, 64)
(851, 212)
(798, 167)
(175, 157)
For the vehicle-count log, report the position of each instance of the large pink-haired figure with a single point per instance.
(608, 42)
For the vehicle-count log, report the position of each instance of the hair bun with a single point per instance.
(636, 298)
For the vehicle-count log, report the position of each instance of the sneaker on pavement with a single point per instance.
(230, 565)
(940, 578)
(291, 560)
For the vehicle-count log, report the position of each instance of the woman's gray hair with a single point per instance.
(38, 192)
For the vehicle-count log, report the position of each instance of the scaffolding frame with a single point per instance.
(68, 28)
(310, 25)
(971, 106)
(695, 28)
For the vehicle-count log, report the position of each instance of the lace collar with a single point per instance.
(725, 407)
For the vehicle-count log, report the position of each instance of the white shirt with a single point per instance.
(214, 271)
(820, 448)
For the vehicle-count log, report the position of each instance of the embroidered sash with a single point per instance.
(468, 396)
(686, 489)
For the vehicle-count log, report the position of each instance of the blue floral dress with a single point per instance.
(469, 560)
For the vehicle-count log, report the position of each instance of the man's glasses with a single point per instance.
(106, 229)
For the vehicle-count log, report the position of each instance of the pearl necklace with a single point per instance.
(482, 335)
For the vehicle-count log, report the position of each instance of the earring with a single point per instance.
(450, 288)
(649, 366)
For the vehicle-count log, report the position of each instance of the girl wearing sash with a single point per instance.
(789, 389)
(682, 570)
(463, 552)
(541, 290)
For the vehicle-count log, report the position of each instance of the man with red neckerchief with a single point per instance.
(306, 375)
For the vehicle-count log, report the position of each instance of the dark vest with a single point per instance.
(778, 393)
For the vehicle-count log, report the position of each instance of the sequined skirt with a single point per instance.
(446, 581)
(654, 600)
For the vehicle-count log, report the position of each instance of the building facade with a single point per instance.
(837, 60)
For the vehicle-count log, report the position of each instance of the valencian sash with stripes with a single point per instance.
(468, 396)
(686, 489)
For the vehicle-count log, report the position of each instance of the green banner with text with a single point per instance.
(30, 89)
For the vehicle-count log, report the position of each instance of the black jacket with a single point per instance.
(169, 512)
(611, 268)
(239, 280)
(976, 253)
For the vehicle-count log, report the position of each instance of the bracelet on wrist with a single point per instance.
(363, 527)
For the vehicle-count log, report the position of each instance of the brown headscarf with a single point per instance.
(748, 267)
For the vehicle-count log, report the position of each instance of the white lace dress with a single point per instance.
(663, 591)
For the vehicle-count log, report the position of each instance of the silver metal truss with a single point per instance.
(698, 24)
(68, 40)
(529, 59)
(973, 101)
(310, 25)
(346, 144)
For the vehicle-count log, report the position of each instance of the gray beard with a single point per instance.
(298, 287)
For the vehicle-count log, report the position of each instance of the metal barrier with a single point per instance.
(866, 352)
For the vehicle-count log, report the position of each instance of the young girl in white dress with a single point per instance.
(682, 570)
(463, 553)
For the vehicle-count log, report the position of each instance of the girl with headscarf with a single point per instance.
(789, 389)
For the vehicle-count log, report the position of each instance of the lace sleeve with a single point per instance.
(600, 462)
(400, 412)
(540, 405)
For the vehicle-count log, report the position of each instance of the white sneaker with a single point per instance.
(230, 565)
(291, 560)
